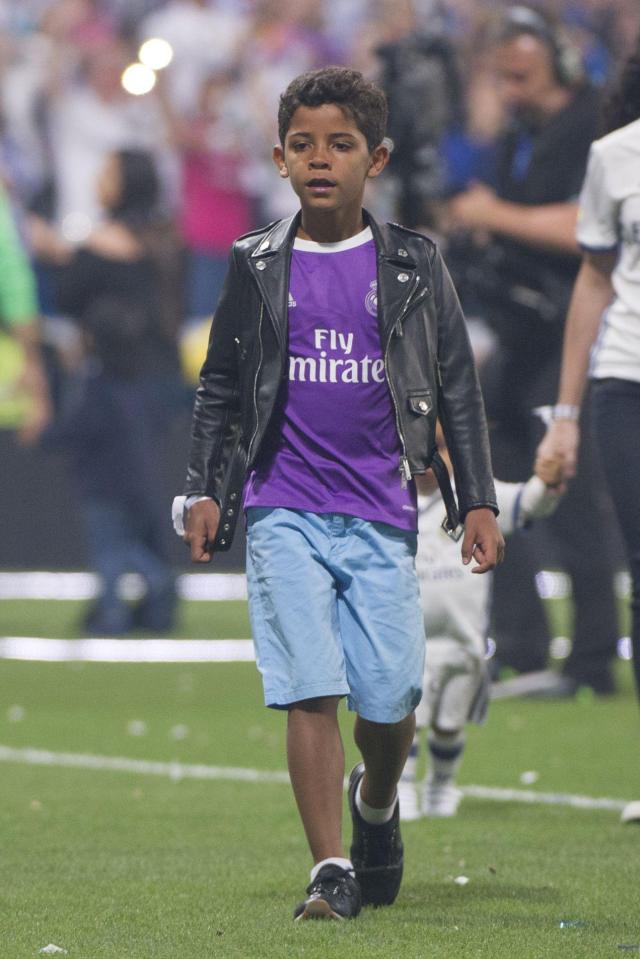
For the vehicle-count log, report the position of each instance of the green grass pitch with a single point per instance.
(112, 865)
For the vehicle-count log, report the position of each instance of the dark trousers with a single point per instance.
(122, 539)
(616, 418)
(579, 537)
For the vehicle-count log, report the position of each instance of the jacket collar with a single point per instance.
(398, 277)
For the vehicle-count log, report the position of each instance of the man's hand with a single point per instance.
(560, 443)
(475, 209)
(482, 540)
(201, 527)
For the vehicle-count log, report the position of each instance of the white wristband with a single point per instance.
(191, 500)
(565, 411)
(180, 506)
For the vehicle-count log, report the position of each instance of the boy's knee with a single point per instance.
(390, 727)
(319, 704)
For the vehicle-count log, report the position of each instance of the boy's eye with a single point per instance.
(299, 146)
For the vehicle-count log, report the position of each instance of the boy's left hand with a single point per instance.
(482, 540)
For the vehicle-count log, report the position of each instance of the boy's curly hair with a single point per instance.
(360, 99)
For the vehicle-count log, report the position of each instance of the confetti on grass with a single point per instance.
(137, 727)
(529, 777)
(178, 732)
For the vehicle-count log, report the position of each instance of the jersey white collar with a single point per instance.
(310, 246)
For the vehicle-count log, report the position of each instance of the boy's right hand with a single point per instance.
(201, 527)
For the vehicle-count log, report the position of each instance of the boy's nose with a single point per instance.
(319, 162)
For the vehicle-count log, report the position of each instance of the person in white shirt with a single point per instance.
(602, 334)
(455, 607)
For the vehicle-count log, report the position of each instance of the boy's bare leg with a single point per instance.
(315, 756)
(384, 748)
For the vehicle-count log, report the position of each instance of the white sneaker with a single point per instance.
(440, 798)
(409, 805)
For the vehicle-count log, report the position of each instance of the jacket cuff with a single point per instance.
(492, 506)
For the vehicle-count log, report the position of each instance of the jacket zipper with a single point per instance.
(255, 383)
(409, 306)
(405, 469)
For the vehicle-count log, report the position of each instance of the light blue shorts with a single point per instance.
(335, 611)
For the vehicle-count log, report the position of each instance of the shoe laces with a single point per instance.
(322, 882)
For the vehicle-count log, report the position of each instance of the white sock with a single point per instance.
(375, 817)
(332, 860)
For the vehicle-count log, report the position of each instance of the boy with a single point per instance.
(334, 344)
(455, 608)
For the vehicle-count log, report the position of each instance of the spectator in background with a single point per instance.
(19, 320)
(205, 40)
(115, 421)
(214, 206)
(526, 264)
(89, 115)
(419, 74)
(608, 353)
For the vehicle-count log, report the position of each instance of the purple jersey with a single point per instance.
(332, 445)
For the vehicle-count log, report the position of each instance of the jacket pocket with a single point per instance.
(420, 401)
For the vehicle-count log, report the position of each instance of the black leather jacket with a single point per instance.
(428, 362)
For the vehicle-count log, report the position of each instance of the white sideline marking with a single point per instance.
(207, 587)
(545, 799)
(144, 767)
(35, 649)
(177, 771)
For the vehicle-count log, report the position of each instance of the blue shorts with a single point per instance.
(335, 611)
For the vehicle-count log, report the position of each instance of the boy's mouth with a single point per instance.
(320, 184)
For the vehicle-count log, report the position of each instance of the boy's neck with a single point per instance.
(330, 227)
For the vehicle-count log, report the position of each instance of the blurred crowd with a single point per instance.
(123, 196)
(209, 122)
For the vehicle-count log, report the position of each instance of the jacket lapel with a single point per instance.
(398, 278)
(270, 264)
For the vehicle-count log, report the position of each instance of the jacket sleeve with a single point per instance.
(460, 404)
(215, 425)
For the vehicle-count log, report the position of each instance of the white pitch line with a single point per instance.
(37, 649)
(545, 799)
(144, 767)
(178, 771)
(47, 585)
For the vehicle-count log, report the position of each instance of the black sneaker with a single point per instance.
(377, 853)
(333, 894)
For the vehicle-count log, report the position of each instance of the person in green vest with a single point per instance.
(24, 394)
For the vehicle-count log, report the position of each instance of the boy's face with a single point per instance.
(327, 159)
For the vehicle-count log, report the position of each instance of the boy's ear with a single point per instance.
(379, 159)
(278, 159)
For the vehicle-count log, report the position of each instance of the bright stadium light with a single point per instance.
(138, 79)
(156, 53)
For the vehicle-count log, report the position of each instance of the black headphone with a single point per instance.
(566, 59)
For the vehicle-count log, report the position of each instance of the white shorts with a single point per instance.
(456, 686)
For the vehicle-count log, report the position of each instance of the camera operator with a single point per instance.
(524, 265)
(420, 76)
